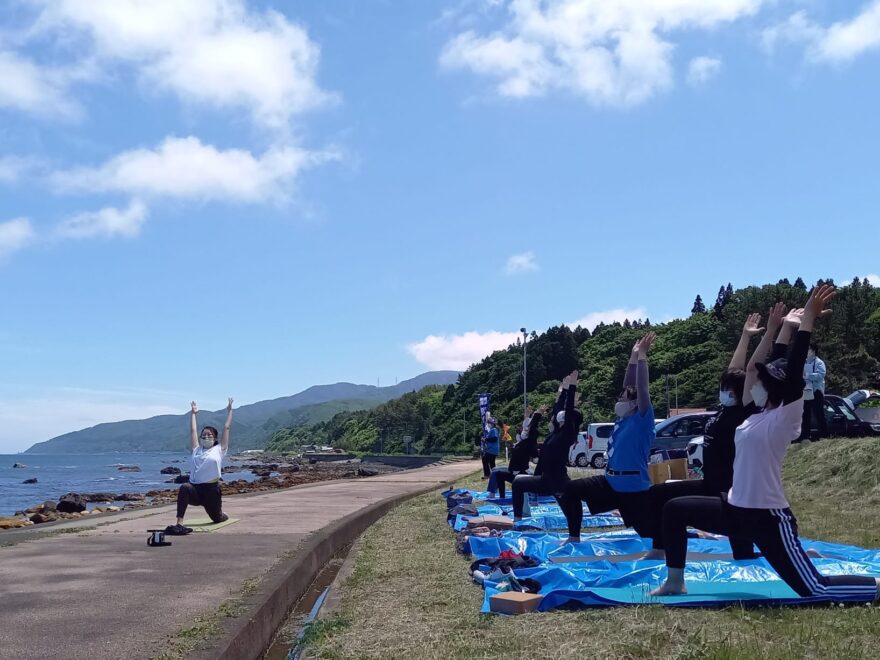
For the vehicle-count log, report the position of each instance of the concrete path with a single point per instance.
(102, 593)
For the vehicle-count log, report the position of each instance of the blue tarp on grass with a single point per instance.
(603, 583)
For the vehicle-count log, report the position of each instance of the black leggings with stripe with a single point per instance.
(775, 533)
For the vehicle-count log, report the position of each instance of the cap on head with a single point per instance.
(777, 370)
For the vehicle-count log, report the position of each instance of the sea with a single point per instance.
(57, 474)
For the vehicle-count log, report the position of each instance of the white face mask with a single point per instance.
(727, 399)
(560, 418)
(759, 395)
(624, 408)
(206, 442)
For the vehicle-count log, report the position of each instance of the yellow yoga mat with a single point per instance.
(205, 524)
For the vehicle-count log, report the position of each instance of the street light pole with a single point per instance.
(525, 389)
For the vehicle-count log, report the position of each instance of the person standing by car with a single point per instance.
(814, 395)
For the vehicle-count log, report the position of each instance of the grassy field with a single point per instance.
(410, 595)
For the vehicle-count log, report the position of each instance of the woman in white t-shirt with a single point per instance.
(756, 507)
(206, 465)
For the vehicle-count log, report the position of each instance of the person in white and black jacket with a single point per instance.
(756, 507)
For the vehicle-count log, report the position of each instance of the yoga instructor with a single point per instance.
(206, 465)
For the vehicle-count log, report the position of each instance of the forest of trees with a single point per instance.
(692, 351)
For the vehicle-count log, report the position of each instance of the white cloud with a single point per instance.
(702, 69)
(521, 263)
(33, 89)
(873, 278)
(185, 168)
(107, 222)
(612, 53)
(15, 235)
(213, 52)
(591, 320)
(839, 42)
(458, 352)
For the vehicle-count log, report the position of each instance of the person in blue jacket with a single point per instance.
(491, 446)
(626, 484)
(814, 396)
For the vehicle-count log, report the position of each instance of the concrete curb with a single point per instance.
(249, 638)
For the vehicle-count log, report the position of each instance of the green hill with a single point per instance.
(693, 352)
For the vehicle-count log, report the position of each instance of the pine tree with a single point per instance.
(800, 284)
(728, 292)
(699, 307)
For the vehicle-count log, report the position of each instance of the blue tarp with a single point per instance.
(602, 583)
(610, 578)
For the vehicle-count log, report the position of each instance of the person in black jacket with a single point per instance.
(523, 451)
(718, 445)
(551, 472)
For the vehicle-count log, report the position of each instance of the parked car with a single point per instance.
(591, 445)
(842, 420)
(676, 432)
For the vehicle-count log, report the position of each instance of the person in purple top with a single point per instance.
(626, 483)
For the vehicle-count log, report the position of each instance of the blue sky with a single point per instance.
(223, 197)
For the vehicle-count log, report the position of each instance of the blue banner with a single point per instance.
(484, 411)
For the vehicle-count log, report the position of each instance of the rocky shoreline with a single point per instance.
(272, 472)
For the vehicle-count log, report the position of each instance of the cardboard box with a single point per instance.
(676, 469)
(492, 522)
(514, 602)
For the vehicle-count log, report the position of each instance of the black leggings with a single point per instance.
(206, 495)
(600, 497)
(814, 409)
(662, 493)
(488, 464)
(526, 483)
(502, 476)
(775, 533)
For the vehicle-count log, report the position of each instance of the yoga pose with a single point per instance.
(718, 444)
(523, 451)
(203, 488)
(551, 472)
(755, 507)
(625, 484)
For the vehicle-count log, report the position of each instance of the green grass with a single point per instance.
(410, 596)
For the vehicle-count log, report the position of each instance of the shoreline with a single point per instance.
(273, 472)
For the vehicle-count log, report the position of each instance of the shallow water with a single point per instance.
(58, 474)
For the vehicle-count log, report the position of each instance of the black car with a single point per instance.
(842, 421)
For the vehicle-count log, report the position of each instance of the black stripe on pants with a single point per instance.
(526, 483)
(206, 495)
(662, 493)
(488, 464)
(775, 533)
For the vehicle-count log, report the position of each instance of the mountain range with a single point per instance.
(252, 425)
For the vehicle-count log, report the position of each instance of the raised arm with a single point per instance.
(534, 423)
(820, 298)
(629, 379)
(750, 329)
(570, 396)
(194, 427)
(643, 393)
(774, 320)
(224, 442)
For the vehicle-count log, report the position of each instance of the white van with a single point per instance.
(590, 448)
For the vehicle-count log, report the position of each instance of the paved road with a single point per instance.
(102, 593)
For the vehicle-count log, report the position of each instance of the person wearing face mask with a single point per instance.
(718, 443)
(206, 465)
(525, 448)
(755, 507)
(626, 483)
(551, 472)
(814, 396)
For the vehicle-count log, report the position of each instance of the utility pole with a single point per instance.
(668, 411)
(525, 388)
